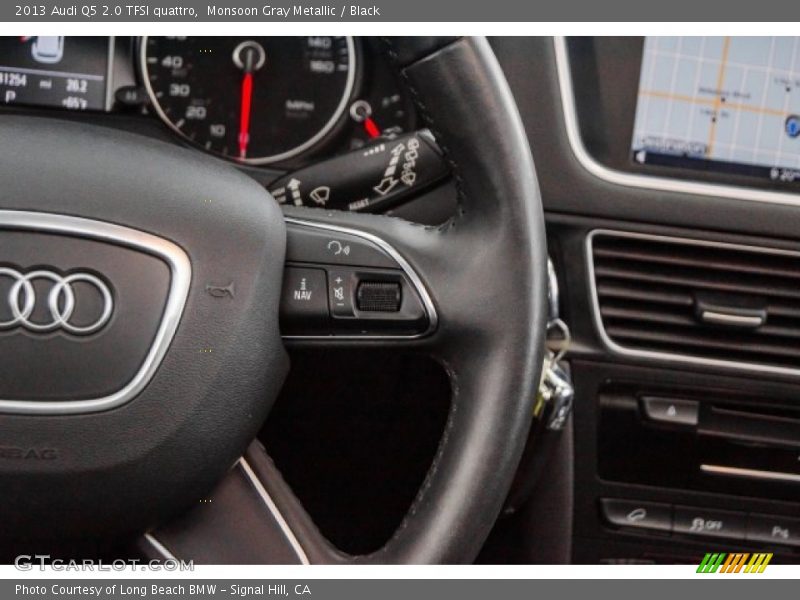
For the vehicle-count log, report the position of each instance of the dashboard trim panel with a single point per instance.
(756, 474)
(648, 182)
(159, 547)
(263, 494)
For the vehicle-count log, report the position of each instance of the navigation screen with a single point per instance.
(57, 71)
(724, 104)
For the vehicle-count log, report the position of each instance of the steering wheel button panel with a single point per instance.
(350, 262)
(308, 309)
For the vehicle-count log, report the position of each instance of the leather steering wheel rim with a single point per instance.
(486, 271)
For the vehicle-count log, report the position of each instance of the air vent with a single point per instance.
(697, 301)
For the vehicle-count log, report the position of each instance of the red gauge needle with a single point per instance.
(371, 127)
(249, 56)
(244, 115)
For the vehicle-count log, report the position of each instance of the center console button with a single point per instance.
(708, 522)
(671, 411)
(773, 529)
(642, 515)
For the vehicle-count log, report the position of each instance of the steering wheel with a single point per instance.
(140, 349)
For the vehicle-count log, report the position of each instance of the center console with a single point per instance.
(667, 170)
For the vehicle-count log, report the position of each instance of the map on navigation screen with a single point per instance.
(725, 104)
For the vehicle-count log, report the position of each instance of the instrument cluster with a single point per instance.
(256, 101)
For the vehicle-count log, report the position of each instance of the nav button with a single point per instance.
(641, 515)
(304, 301)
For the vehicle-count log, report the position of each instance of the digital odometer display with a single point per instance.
(254, 99)
(55, 71)
(721, 104)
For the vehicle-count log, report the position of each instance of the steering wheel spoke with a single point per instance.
(270, 525)
(356, 279)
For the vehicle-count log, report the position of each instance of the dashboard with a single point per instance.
(657, 112)
(270, 105)
(645, 248)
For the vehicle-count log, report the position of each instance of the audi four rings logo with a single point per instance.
(61, 301)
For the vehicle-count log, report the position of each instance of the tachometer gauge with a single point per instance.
(256, 100)
(384, 111)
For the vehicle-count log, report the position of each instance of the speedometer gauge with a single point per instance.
(255, 100)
